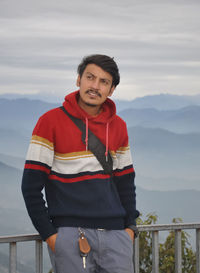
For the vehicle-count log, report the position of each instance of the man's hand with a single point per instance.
(130, 233)
(51, 241)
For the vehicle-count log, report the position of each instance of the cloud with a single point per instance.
(156, 44)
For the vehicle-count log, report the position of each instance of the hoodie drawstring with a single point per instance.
(86, 133)
(107, 129)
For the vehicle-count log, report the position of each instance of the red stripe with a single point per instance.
(37, 167)
(117, 173)
(78, 179)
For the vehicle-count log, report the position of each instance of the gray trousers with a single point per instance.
(111, 251)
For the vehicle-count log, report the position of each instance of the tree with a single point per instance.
(145, 244)
(166, 250)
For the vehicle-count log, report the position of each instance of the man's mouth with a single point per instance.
(93, 93)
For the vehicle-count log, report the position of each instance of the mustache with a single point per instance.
(94, 91)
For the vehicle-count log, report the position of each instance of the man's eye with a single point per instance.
(104, 82)
(89, 77)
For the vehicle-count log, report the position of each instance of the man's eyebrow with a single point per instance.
(89, 73)
(105, 79)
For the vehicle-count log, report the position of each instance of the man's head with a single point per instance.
(98, 76)
(104, 62)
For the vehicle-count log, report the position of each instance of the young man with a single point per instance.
(83, 200)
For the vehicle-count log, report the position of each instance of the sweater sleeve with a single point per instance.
(124, 177)
(35, 176)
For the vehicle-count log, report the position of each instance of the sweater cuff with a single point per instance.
(47, 235)
(131, 219)
(134, 229)
(45, 228)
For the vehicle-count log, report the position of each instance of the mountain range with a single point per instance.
(183, 120)
(160, 102)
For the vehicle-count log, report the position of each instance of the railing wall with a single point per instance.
(13, 240)
(177, 228)
(155, 229)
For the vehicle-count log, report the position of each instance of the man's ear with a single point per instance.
(111, 91)
(78, 81)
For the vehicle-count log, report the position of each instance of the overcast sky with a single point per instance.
(156, 44)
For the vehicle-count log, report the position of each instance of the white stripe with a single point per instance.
(40, 153)
(78, 165)
(74, 164)
(124, 159)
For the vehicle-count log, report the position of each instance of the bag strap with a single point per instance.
(94, 144)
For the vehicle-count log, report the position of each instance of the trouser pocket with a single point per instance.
(66, 258)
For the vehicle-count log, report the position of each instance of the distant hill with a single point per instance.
(14, 142)
(13, 161)
(158, 153)
(170, 204)
(6, 173)
(159, 102)
(164, 183)
(43, 96)
(10, 183)
(184, 120)
(22, 114)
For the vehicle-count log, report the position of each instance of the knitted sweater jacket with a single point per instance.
(77, 191)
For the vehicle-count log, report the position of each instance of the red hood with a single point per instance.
(107, 114)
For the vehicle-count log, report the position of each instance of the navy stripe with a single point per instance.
(76, 174)
(37, 163)
(125, 168)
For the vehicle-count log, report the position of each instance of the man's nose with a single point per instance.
(95, 84)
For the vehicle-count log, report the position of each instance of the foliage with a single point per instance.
(166, 250)
(145, 244)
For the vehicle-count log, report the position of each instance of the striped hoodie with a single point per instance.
(77, 191)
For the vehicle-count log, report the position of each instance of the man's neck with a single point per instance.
(92, 110)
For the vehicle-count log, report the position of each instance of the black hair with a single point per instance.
(105, 62)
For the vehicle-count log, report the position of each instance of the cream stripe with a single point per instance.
(42, 144)
(122, 149)
(42, 140)
(118, 152)
(73, 158)
(74, 154)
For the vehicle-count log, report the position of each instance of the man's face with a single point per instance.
(95, 85)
